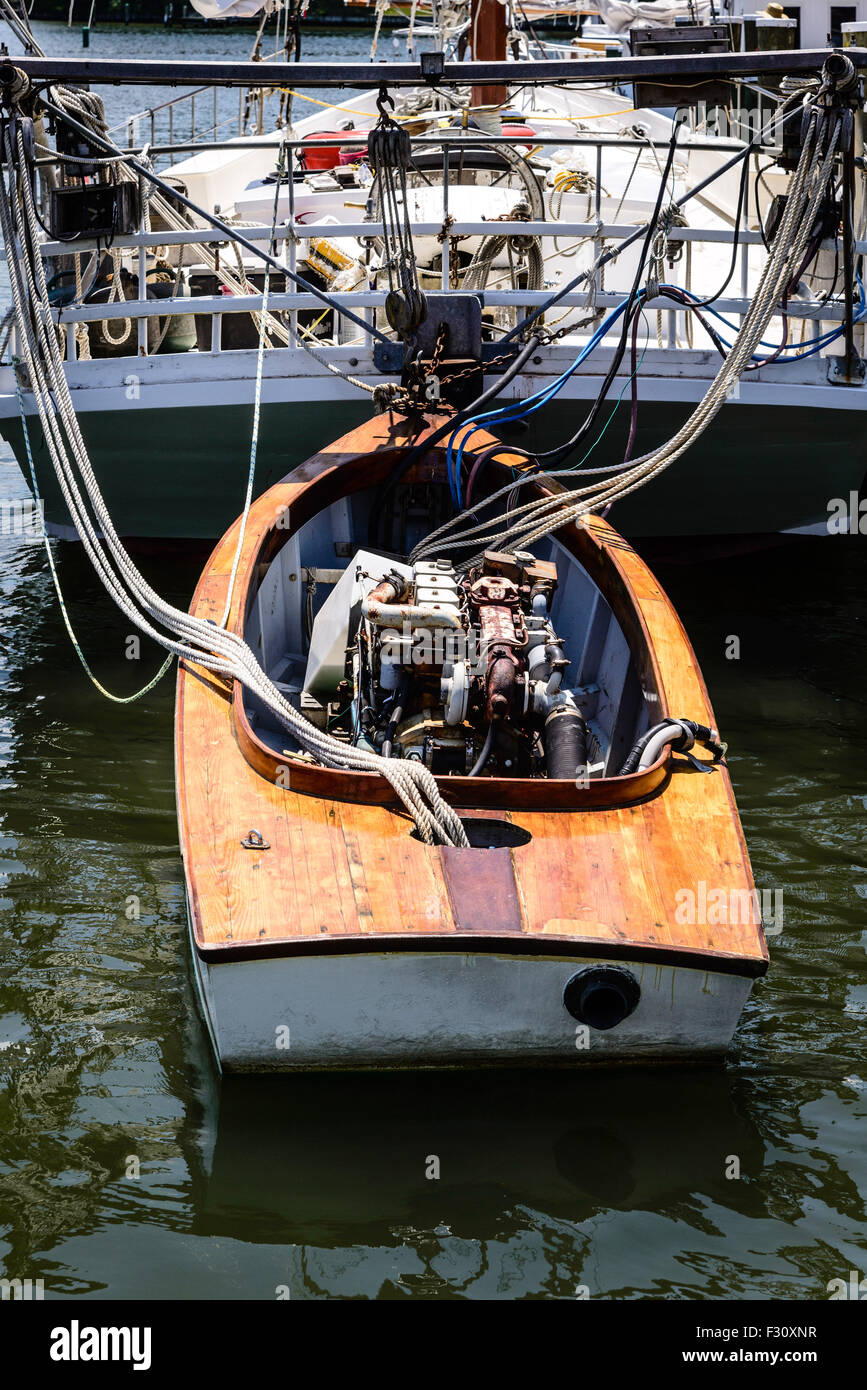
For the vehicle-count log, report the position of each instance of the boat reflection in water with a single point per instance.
(530, 1164)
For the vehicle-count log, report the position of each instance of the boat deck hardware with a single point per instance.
(255, 840)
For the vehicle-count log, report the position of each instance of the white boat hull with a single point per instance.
(744, 477)
(430, 1009)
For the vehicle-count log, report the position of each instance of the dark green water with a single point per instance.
(548, 1184)
(617, 1183)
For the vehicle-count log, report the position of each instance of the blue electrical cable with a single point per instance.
(507, 413)
(814, 344)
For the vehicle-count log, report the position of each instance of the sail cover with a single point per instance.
(621, 15)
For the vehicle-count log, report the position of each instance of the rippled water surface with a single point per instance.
(615, 1183)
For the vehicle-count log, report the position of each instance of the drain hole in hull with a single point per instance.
(601, 996)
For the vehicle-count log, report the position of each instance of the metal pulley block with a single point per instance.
(521, 213)
(388, 144)
(521, 243)
(406, 311)
(389, 147)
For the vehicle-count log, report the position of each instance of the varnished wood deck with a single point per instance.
(347, 875)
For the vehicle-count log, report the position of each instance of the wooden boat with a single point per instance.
(601, 917)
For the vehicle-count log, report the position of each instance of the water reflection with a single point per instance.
(314, 1161)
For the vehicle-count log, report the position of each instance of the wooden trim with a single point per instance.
(513, 944)
(488, 793)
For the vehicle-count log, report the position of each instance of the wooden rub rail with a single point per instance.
(545, 72)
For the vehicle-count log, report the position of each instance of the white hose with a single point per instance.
(670, 734)
(396, 614)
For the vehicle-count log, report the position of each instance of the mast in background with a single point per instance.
(488, 42)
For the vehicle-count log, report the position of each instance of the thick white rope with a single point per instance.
(225, 653)
(116, 293)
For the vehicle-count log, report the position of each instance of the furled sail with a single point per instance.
(621, 15)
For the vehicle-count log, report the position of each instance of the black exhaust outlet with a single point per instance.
(601, 996)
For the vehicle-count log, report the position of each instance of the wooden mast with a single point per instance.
(488, 42)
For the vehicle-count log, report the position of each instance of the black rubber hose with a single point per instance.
(485, 753)
(482, 459)
(454, 422)
(700, 732)
(396, 714)
(565, 744)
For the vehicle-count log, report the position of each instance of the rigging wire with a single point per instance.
(538, 518)
(758, 139)
(623, 310)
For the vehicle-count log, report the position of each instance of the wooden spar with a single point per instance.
(174, 73)
(488, 43)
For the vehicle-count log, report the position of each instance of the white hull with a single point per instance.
(185, 381)
(413, 1009)
(744, 477)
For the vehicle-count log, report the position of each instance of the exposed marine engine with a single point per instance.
(460, 671)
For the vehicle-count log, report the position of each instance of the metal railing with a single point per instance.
(172, 107)
(291, 234)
